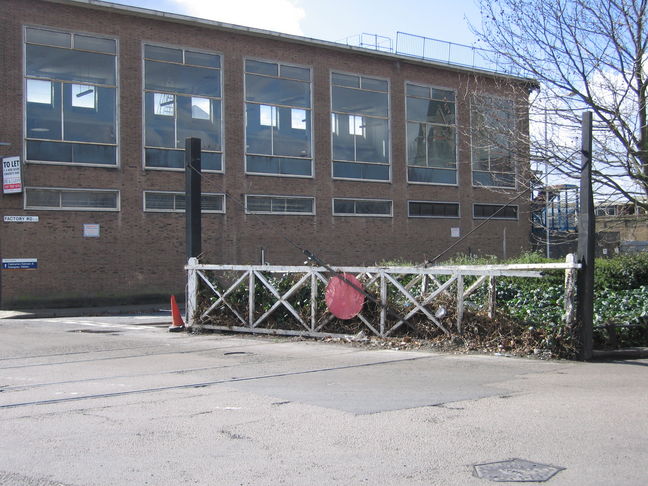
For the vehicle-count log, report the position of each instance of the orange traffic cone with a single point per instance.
(178, 323)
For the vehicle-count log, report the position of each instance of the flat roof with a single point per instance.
(213, 24)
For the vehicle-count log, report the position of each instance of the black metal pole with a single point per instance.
(192, 197)
(586, 232)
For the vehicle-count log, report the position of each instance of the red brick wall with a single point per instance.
(141, 254)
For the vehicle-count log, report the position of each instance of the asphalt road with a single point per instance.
(121, 401)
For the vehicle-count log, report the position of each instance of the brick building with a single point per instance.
(357, 155)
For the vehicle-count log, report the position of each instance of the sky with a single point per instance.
(335, 20)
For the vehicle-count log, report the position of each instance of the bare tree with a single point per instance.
(586, 55)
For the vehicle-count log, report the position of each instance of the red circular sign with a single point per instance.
(343, 300)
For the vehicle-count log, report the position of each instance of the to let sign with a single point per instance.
(11, 175)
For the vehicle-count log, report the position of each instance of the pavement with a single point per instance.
(118, 400)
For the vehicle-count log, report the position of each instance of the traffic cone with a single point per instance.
(178, 323)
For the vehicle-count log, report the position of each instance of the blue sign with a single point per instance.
(19, 263)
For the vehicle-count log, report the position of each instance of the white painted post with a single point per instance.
(460, 301)
(313, 300)
(492, 296)
(383, 302)
(192, 291)
(251, 302)
(570, 292)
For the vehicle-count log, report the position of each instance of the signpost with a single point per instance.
(11, 175)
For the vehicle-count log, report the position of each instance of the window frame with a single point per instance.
(280, 213)
(73, 34)
(274, 115)
(76, 189)
(410, 215)
(356, 215)
(175, 95)
(427, 124)
(495, 205)
(182, 211)
(388, 119)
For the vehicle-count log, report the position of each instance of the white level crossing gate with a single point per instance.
(289, 300)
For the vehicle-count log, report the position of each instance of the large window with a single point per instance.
(71, 199)
(493, 132)
(182, 98)
(429, 209)
(362, 207)
(360, 127)
(279, 204)
(277, 119)
(174, 202)
(71, 98)
(431, 135)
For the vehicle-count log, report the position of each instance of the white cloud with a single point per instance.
(277, 15)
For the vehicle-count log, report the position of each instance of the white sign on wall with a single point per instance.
(11, 175)
(91, 230)
(20, 219)
(454, 232)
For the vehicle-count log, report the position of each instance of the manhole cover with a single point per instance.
(516, 471)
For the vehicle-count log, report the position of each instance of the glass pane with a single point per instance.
(416, 144)
(39, 91)
(48, 37)
(163, 53)
(373, 207)
(211, 202)
(432, 210)
(343, 141)
(89, 123)
(278, 165)
(432, 176)
(71, 152)
(258, 136)
(259, 204)
(69, 65)
(288, 140)
(189, 125)
(374, 145)
(443, 95)
(159, 128)
(260, 67)
(212, 161)
(182, 79)
(299, 205)
(343, 206)
(345, 80)
(294, 72)
(298, 119)
(43, 198)
(430, 111)
(276, 91)
(200, 108)
(88, 199)
(374, 84)
(202, 59)
(158, 200)
(83, 96)
(44, 118)
(349, 100)
(167, 159)
(420, 91)
(350, 170)
(442, 147)
(89, 43)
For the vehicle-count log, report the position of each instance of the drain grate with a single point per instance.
(516, 471)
